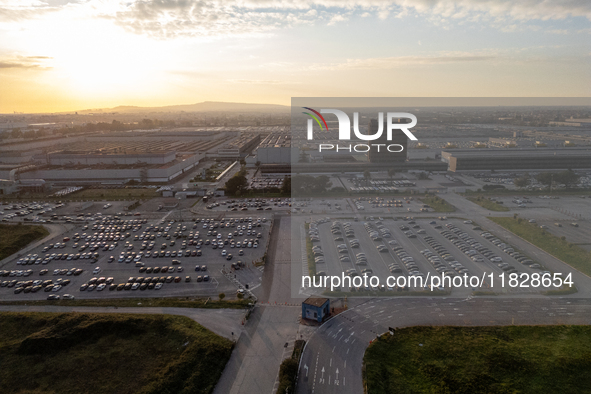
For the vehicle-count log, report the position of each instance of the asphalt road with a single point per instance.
(333, 357)
(254, 364)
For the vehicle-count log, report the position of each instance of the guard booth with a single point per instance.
(315, 308)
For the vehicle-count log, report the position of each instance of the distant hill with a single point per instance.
(206, 106)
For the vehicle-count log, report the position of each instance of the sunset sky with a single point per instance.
(60, 55)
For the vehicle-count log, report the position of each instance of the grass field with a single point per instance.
(171, 302)
(100, 353)
(484, 202)
(438, 204)
(15, 237)
(515, 359)
(571, 254)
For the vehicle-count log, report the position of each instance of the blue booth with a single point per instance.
(315, 308)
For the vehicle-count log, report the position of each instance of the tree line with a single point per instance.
(115, 125)
(569, 178)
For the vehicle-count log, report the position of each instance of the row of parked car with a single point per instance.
(64, 256)
(380, 231)
(29, 272)
(511, 252)
(441, 259)
(13, 273)
(33, 286)
(405, 258)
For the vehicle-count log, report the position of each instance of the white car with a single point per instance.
(158, 286)
(101, 287)
(96, 270)
(68, 297)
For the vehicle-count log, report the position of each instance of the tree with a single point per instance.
(391, 172)
(29, 134)
(306, 184)
(148, 123)
(521, 181)
(16, 133)
(240, 296)
(367, 174)
(236, 184)
(222, 296)
(545, 178)
(568, 177)
(423, 176)
(286, 187)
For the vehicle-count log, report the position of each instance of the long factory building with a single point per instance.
(517, 159)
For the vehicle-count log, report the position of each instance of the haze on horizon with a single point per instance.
(61, 55)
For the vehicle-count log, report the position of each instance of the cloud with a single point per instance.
(24, 62)
(513, 56)
(187, 18)
(557, 31)
(17, 10)
(337, 18)
(385, 63)
(262, 82)
(4, 64)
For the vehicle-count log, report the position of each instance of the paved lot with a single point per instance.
(413, 237)
(117, 245)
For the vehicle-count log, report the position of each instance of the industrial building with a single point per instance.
(240, 147)
(65, 158)
(8, 186)
(516, 159)
(115, 143)
(276, 148)
(114, 157)
(112, 173)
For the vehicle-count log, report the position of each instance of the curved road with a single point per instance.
(333, 357)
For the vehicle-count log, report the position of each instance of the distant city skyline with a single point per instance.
(61, 55)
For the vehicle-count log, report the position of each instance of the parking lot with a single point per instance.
(566, 216)
(407, 246)
(45, 212)
(249, 204)
(111, 256)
